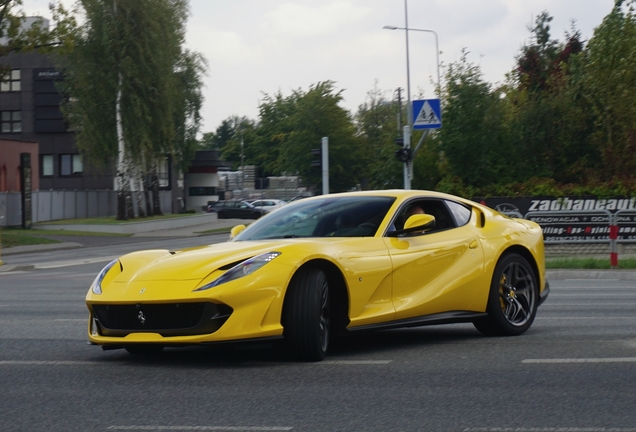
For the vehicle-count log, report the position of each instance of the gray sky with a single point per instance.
(265, 46)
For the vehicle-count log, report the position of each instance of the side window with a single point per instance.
(434, 207)
(460, 212)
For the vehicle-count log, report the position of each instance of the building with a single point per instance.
(10, 161)
(30, 111)
(202, 179)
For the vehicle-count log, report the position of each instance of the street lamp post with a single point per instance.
(408, 128)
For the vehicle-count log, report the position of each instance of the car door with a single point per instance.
(233, 209)
(437, 271)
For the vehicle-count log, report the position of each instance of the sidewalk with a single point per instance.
(174, 229)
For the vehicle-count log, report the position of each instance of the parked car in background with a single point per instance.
(235, 209)
(268, 204)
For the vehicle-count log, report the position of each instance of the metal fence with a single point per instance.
(593, 226)
(69, 204)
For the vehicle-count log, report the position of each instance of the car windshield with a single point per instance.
(327, 217)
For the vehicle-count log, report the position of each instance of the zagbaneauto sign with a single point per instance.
(571, 219)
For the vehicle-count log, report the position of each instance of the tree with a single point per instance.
(609, 89)
(377, 127)
(134, 93)
(318, 115)
(472, 139)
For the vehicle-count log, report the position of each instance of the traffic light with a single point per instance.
(404, 154)
(317, 154)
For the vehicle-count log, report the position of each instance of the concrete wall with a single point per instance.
(76, 204)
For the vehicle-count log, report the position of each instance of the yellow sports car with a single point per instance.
(328, 265)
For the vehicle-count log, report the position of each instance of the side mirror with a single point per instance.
(236, 231)
(416, 222)
(420, 221)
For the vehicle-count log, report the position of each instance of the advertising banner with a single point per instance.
(573, 219)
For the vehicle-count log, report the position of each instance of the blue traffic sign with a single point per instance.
(427, 114)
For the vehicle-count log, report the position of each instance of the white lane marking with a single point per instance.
(549, 429)
(589, 280)
(586, 304)
(46, 362)
(587, 318)
(582, 360)
(324, 362)
(354, 362)
(202, 428)
(601, 295)
(57, 264)
(590, 288)
(71, 319)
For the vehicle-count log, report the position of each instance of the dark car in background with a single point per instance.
(235, 209)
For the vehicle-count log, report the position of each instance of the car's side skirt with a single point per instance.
(440, 318)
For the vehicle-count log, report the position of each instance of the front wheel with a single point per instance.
(512, 301)
(306, 315)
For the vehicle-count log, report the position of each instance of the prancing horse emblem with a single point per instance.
(141, 317)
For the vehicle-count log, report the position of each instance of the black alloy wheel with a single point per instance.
(513, 299)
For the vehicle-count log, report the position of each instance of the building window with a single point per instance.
(11, 81)
(11, 121)
(71, 165)
(201, 191)
(163, 173)
(46, 165)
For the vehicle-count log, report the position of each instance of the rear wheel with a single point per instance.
(307, 315)
(512, 302)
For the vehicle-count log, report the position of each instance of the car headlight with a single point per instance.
(96, 287)
(245, 268)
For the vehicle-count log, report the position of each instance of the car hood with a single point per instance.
(190, 264)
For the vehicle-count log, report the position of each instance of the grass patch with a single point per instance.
(225, 230)
(111, 220)
(589, 263)
(11, 237)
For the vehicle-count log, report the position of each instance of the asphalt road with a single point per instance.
(574, 370)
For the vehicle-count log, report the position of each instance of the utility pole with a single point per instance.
(399, 113)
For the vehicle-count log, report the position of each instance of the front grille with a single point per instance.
(167, 319)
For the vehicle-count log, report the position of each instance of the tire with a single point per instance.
(144, 349)
(306, 315)
(513, 298)
(220, 215)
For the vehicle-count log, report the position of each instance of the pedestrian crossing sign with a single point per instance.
(427, 114)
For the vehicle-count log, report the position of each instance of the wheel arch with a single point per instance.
(338, 293)
(524, 252)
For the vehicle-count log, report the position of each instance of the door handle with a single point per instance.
(473, 244)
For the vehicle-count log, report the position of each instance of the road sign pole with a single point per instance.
(325, 165)
(408, 166)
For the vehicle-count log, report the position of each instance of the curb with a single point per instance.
(9, 268)
(590, 274)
